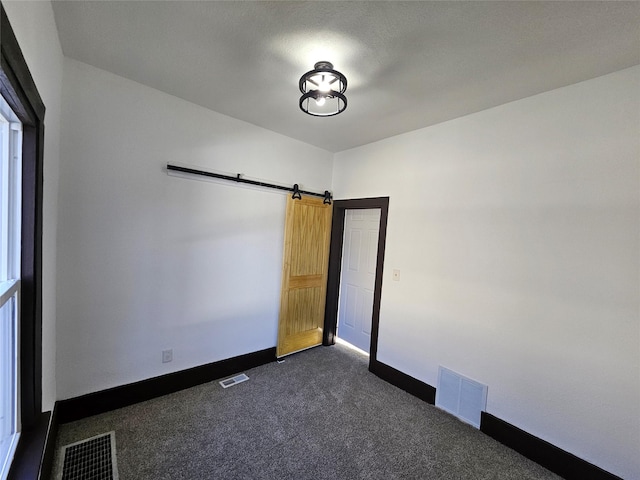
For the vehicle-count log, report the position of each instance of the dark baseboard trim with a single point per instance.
(540, 451)
(125, 395)
(544, 453)
(401, 380)
(34, 456)
(31, 454)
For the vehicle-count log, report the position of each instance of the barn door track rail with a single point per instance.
(296, 192)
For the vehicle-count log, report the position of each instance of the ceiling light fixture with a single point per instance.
(323, 91)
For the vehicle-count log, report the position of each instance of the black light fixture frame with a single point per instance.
(321, 68)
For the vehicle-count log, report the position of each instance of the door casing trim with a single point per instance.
(335, 261)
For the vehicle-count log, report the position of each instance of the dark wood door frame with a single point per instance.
(335, 262)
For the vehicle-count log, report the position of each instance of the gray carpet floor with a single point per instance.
(319, 415)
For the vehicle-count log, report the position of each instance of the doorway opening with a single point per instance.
(373, 262)
(357, 276)
(350, 346)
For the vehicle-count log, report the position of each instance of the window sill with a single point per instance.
(34, 453)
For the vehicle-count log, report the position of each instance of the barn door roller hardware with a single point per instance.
(297, 193)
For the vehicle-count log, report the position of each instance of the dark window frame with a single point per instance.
(19, 90)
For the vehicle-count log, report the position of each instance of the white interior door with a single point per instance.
(357, 277)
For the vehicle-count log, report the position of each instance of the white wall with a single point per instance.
(149, 261)
(516, 231)
(35, 29)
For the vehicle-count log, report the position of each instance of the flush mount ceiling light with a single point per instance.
(323, 91)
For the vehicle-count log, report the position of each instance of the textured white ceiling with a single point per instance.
(408, 64)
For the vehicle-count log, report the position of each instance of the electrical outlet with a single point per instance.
(167, 356)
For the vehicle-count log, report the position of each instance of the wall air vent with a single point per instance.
(230, 382)
(461, 396)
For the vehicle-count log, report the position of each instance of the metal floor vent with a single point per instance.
(90, 459)
(230, 382)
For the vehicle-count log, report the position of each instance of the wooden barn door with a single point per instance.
(304, 274)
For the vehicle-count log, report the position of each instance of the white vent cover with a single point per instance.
(230, 382)
(461, 396)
